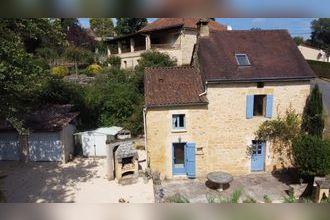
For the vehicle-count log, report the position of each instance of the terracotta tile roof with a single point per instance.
(272, 54)
(48, 118)
(164, 23)
(173, 86)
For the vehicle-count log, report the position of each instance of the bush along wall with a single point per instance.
(312, 155)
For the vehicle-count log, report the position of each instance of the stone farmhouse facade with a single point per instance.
(202, 118)
(173, 36)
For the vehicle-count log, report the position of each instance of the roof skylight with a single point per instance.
(242, 60)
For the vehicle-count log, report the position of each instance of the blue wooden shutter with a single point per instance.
(249, 106)
(190, 159)
(269, 106)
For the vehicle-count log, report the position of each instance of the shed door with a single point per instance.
(45, 147)
(9, 146)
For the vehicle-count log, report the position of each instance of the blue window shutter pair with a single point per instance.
(250, 104)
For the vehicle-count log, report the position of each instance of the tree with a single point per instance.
(151, 59)
(21, 79)
(75, 34)
(78, 55)
(281, 132)
(313, 121)
(114, 99)
(102, 27)
(298, 40)
(320, 36)
(129, 25)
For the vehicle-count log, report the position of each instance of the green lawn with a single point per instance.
(321, 69)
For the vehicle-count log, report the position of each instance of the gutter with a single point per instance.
(178, 105)
(205, 91)
(217, 81)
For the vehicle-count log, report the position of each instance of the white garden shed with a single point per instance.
(93, 143)
(50, 138)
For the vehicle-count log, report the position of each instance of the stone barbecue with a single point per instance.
(126, 162)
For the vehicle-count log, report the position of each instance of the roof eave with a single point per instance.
(286, 79)
(176, 105)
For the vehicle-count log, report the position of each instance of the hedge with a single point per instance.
(311, 155)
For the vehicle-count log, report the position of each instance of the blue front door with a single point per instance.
(258, 156)
(183, 161)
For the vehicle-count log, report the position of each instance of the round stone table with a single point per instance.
(220, 178)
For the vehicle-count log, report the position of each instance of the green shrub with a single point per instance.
(177, 198)
(311, 155)
(60, 71)
(267, 199)
(249, 199)
(94, 69)
(41, 63)
(214, 198)
(114, 61)
(235, 196)
(290, 198)
(313, 121)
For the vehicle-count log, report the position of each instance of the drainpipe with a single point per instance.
(205, 91)
(145, 133)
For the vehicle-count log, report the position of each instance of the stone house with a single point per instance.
(202, 118)
(173, 36)
(311, 53)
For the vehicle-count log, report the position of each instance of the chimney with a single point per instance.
(203, 27)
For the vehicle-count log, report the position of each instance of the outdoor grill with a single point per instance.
(126, 162)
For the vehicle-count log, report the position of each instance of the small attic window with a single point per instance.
(242, 60)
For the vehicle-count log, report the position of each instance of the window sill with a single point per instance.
(179, 131)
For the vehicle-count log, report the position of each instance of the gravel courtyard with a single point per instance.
(82, 180)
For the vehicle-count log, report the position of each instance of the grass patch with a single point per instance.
(177, 198)
(321, 69)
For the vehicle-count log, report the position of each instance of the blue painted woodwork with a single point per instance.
(249, 106)
(190, 149)
(258, 156)
(269, 106)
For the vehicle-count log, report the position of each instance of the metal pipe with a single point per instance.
(145, 133)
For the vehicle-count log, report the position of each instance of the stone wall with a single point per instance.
(220, 130)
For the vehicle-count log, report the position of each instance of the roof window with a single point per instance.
(242, 60)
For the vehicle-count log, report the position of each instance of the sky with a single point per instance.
(296, 26)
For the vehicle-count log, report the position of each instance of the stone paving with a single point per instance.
(255, 186)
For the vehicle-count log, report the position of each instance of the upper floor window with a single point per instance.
(242, 60)
(259, 105)
(179, 121)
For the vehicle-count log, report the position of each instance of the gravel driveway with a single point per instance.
(82, 180)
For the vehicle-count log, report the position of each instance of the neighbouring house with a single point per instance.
(203, 118)
(311, 53)
(93, 143)
(173, 36)
(50, 135)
